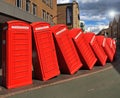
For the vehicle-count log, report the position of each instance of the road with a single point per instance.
(103, 84)
(100, 82)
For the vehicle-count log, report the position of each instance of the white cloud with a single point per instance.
(93, 18)
(96, 28)
(82, 1)
(88, 1)
(63, 1)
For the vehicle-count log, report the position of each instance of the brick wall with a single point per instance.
(76, 21)
(62, 19)
(61, 14)
(52, 10)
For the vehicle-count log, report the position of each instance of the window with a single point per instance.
(47, 2)
(69, 15)
(115, 33)
(43, 1)
(19, 3)
(44, 14)
(28, 5)
(34, 9)
(47, 17)
(51, 18)
(81, 24)
(51, 3)
(78, 17)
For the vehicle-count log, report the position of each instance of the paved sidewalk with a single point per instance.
(100, 82)
(60, 79)
(104, 84)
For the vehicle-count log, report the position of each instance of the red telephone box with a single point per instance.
(111, 45)
(17, 54)
(114, 45)
(97, 49)
(103, 43)
(83, 48)
(68, 58)
(44, 54)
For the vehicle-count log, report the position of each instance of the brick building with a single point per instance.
(104, 32)
(27, 10)
(114, 28)
(68, 14)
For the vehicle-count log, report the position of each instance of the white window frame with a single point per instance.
(27, 1)
(51, 3)
(34, 6)
(20, 3)
(51, 16)
(47, 16)
(44, 15)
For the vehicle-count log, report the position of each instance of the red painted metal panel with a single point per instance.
(98, 50)
(17, 54)
(44, 54)
(83, 48)
(111, 45)
(102, 42)
(114, 44)
(68, 58)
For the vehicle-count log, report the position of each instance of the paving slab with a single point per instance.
(102, 84)
(38, 85)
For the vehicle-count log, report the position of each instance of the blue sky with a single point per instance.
(96, 13)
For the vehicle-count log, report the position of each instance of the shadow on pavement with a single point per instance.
(0, 80)
(116, 62)
(61, 78)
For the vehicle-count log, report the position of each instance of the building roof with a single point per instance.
(110, 24)
(116, 19)
(103, 30)
(70, 3)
